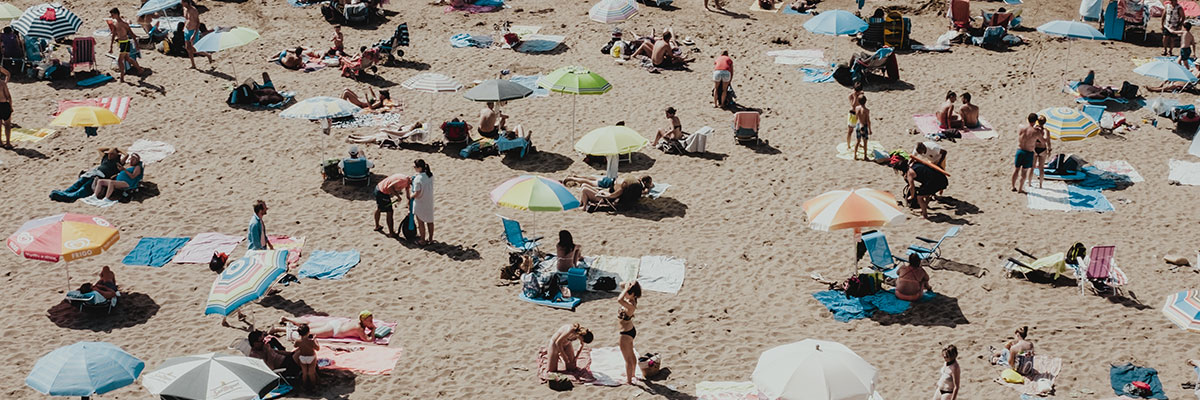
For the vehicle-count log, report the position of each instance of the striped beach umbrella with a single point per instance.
(212, 376)
(1166, 70)
(534, 193)
(245, 280)
(47, 21)
(225, 39)
(84, 369)
(1068, 124)
(852, 209)
(1183, 309)
(63, 237)
(320, 107)
(611, 141)
(610, 11)
(432, 83)
(9, 11)
(86, 116)
(576, 81)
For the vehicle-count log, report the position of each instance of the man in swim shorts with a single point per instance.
(491, 121)
(191, 30)
(5, 110)
(1023, 161)
(124, 37)
(862, 130)
(852, 118)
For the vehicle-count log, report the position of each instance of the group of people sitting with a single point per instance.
(601, 193)
(117, 174)
(965, 116)
(663, 52)
(303, 332)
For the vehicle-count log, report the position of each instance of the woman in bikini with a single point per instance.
(676, 131)
(947, 385)
(1017, 353)
(362, 330)
(1041, 150)
(306, 356)
(383, 103)
(628, 305)
(561, 349)
(913, 281)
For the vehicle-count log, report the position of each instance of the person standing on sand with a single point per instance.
(722, 78)
(950, 376)
(1023, 161)
(125, 39)
(852, 118)
(422, 193)
(862, 129)
(256, 236)
(627, 302)
(392, 186)
(1041, 151)
(1186, 44)
(1172, 23)
(6, 110)
(191, 30)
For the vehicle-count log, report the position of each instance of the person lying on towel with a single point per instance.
(363, 329)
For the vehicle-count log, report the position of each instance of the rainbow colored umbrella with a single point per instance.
(1068, 124)
(245, 280)
(63, 237)
(1183, 309)
(610, 11)
(534, 193)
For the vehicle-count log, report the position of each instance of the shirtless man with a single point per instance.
(1023, 162)
(191, 30)
(590, 195)
(945, 114)
(6, 110)
(661, 52)
(862, 129)
(363, 329)
(491, 121)
(561, 349)
(674, 133)
(969, 112)
(124, 37)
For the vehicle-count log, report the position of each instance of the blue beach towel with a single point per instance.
(95, 80)
(530, 81)
(1120, 375)
(817, 75)
(1087, 199)
(848, 309)
(792, 11)
(566, 304)
(329, 264)
(154, 251)
(469, 40)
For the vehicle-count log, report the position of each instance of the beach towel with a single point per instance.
(661, 273)
(622, 269)
(874, 150)
(1061, 196)
(201, 248)
(524, 31)
(93, 201)
(472, 9)
(580, 375)
(1194, 149)
(565, 303)
(368, 119)
(1072, 88)
(928, 125)
(1183, 173)
(357, 358)
(540, 43)
(151, 151)
(1121, 375)
(846, 309)
(154, 251)
(1119, 170)
(608, 367)
(755, 7)
(321, 319)
(530, 81)
(788, 10)
(799, 57)
(294, 245)
(30, 135)
(727, 391)
(95, 80)
(816, 75)
(329, 264)
(1044, 367)
(658, 190)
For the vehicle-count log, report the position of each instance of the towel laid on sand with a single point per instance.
(1183, 173)
(581, 374)
(1119, 170)
(322, 319)
(816, 75)
(530, 81)
(1061, 196)
(202, 247)
(874, 150)
(294, 245)
(93, 201)
(1194, 149)
(154, 251)
(30, 135)
(755, 7)
(1044, 367)
(848, 309)
(357, 358)
(151, 151)
(661, 273)
(540, 43)
(787, 10)
(622, 269)
(658, 190)
(928, 125)
(608, 367)
(329, 264)
(727, 391)
(799, 57)
(368, 119)
(473, 9)
(1121, 375)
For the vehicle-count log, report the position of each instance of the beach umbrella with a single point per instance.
(835, 23)
(534, 193)
(1068, 124)
(852, 209)
(1070, 29)
(154, 6)
(611, 142)
(63, 237)
(86, 116)
(1183, 309)
(245, 280)
(576, 81)
(9, 11)
(211, 376)
(497, 90)
(432, 83)
(225, 39)
(47, 21)
(610, 11)
(814, 369)
(84, 369)
(1166, 70)
(321, 108)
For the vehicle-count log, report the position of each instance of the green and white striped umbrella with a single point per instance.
(577, 81)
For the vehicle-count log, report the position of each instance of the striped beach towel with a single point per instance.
(118, 105)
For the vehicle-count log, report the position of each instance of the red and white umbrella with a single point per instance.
(852, 209)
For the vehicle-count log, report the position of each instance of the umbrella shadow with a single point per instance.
(410, 64)
(297, 308)
(638, 161)
(940, 311)
(132, 309)
(539, 161)
(376, 80)
(456, 252)
(351, 191)
(333, 385)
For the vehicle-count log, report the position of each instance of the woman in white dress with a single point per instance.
(422, 189)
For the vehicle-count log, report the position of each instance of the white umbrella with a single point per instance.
(814, 369)
(432, 83)
(211, 376)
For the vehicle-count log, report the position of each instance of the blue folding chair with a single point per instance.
(935, 251)
(881, 255)
(355, 170)
(1094, 111)
(514, 236)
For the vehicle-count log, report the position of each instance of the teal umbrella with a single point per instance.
(1070, 29)
(84, 369)
(1166, 70)
(835, 23)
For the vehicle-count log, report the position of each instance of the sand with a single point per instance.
(735, 216)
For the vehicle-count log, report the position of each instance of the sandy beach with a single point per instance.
(733, 214)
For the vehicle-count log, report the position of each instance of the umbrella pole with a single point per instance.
(574, 121)
(857, 236)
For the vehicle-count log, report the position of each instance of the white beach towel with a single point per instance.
(1194, 149)
(608, 366)
(658, 189)
(661, 273)
(621, 269)
(1184, 173)
(1053, 196)
(799, 57)
(202, 247)
(93, 201)
(151, 151)
(1119, 167)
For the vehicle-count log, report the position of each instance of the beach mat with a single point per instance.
(95, 80)
(151, 151)
(30, 135)
(928, 125)
(154, 251)
(1044, 367)
(1121, 375)
(358, 358)
(661, 273)
(540, 43)
(816, 75)
(621, 269)
(608, 367)
(530, 81)
(201, 248)
(874, 150)
(1183, 173)
(1061, 196)
(568, 304)
(580, 375)
(320, 319)
(787, 10)
(294, 246)
(726, 391)
(329, 264)
(846, 309)
(658, 190)
(93, 201)
(1119, 170)
(368, 119)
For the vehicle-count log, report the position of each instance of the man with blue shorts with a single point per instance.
(1023, 161)
(191, 30)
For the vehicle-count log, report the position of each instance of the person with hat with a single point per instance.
(354, 154)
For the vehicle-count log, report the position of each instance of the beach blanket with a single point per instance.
(30, 135)
(151, 151)
(727, 391)
(874, 150)
(530, 81)
(368, 119)
(524, 31)
(469, 40)
(622, 269)
(608, 367)
(357, 358)
(322, 319)
(799, 57)
(1044, 367)
(154, 251)
(1121, 375)
(329, 264)
(848, 309)
(1061, 196)
(93, 201)
(1119, 170)
(1183, 173)
(540, 43)
(787, 10)
(816, 75)
(294, 245)
(581, 374)
(928, 125)
(658, 190)
(661, 273)
(201, 248)
(1072, 88)
(472, 9)
(118, 105)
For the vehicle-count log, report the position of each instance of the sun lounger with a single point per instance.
(935, 251)
(1102, 273)
(745, 127)
(515, 238)
(92, 300)
(876, 246)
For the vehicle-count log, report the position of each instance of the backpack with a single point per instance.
(538, 286)
(1128, 90)
(604, 284)
(861, 285)
(1076, 252)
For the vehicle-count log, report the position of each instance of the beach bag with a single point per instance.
(605, 283)
(1137, 389)
(217, 264)
(531, 286)
(408, 227)
(650, 364)
(1011, 376)
(861, 285)
(1128, 90)
(559, 382)
(330, 13)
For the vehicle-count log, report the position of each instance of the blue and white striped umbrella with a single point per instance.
(154, 6)
(611, 11)
(84, 369)
(1166, 70)
(47, 21)
(1183, 309)
(1071, 29)
(320, 107)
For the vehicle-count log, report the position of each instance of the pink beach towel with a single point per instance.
(383, 341)
(358, 358)
(471, 8)
(582, 373)
(928, 125)
(202, 247)
(294, 245)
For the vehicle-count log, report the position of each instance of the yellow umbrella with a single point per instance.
(9, 11)
(611, 141)
(86, 116)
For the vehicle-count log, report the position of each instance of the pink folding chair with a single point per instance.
(83, 52)
(1102, 271)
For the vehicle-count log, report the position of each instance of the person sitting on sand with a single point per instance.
(363, 329)
(306, 356)
(804, 6)
(561, 349)
(949, 376)
(129, 177)
(661, 52)
(339, 47)
(969, 113)
(567, 252)
(622, 193)
(274, 358)
(1021, 347)
(675, 132)
(946, 117)
(913, 281)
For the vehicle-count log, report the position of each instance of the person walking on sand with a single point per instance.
(561, 349)
(422, 192)
(306, 356)
(6, 110)
(852, 118)
(627, 303)
(191, 30)
(949, 376)
(722, 78)
(862, 129)
(256, 236)
(1187, 44)
(1023, 162)
(390, 187)
(124, 37)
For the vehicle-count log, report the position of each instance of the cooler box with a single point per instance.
(577, 280)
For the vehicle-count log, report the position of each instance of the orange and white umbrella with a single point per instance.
(852, 209)
(63, 237)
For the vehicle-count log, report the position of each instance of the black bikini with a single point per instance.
(632, 332)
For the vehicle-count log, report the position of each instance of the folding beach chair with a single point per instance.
(456, 132)
(92, 301)
(876, 246)
(1102, 273)
(745, 127)
(515, 238)
(697, 142)
(935, 251)
(83, 52)
(355, 170)
(388, 47)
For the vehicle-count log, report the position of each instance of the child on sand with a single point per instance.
(862, 129)
(306, 356)
(1186, 45)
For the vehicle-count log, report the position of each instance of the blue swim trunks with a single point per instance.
(191, 35)
(605, 183)
(1024, 159)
